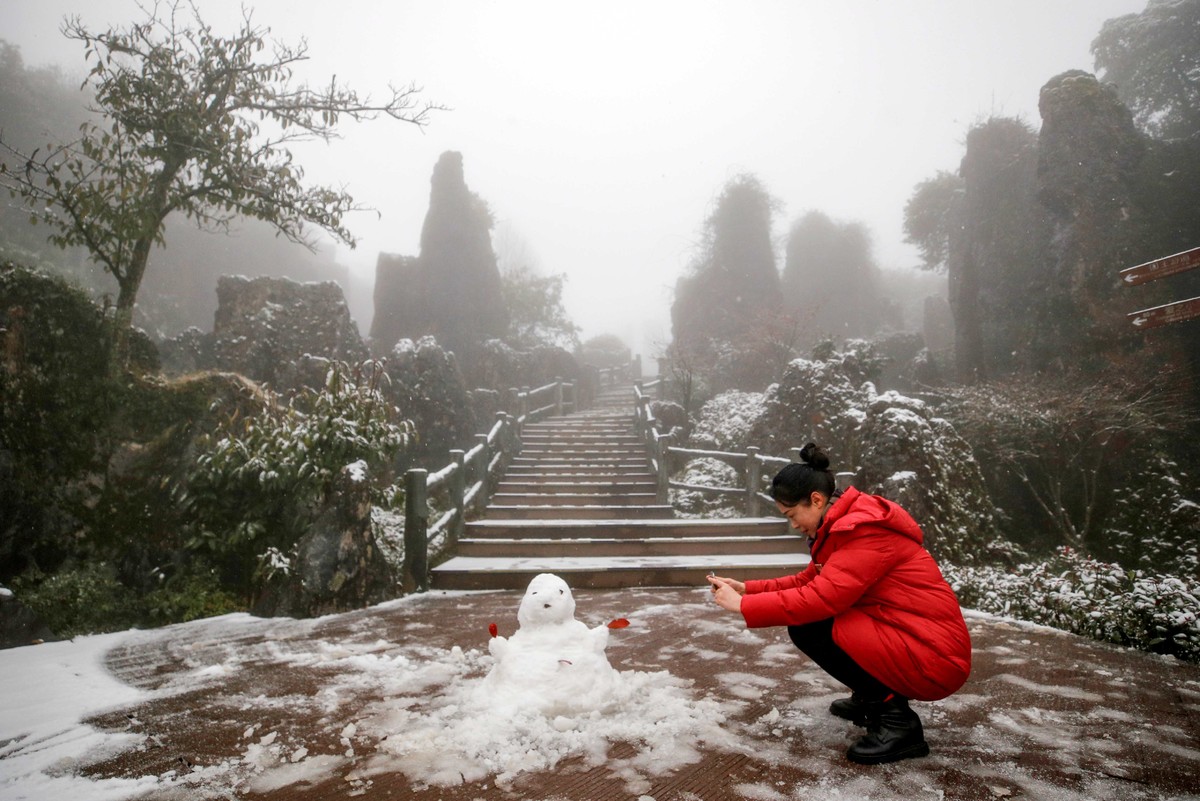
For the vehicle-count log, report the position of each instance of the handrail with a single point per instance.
(465, 485)
(749, 464)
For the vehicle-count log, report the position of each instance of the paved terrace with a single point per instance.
(242, 708)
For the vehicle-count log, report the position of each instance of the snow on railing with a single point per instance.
(748, 465)
(464, 486)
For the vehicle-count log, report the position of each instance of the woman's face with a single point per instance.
(806, 517)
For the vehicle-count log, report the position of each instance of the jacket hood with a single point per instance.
(856, 508)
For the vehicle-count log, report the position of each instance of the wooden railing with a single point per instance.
(465, 485)
(751, 465)
(657, 443)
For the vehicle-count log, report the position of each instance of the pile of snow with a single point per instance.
(550, 693)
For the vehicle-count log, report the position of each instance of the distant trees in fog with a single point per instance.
(831, 284)
(732, 291)
(737, 319)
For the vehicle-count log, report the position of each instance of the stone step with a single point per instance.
(574, 462)
(604, 417)
(608, 572)
(580, 440)
(625, 529)
(569, 456)
(618, 454)
(623, 469)
(592, 512)
(573, 499)
(552, 484)
(555, 446)
(792, 545)
(561, 426)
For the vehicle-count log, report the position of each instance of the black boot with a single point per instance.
(853, 709)
(893, 732)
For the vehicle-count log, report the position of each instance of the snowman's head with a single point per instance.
(548, 599)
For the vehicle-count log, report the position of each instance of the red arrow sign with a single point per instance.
(1168, 313)
(1161, 268)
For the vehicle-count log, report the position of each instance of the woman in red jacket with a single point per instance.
(871, 608)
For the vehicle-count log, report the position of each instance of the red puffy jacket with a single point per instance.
(892, 611)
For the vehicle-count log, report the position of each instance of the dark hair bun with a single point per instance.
(814, 456)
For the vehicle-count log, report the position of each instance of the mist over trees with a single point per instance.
(1151, 58)
(830, 282)
(995, 253)
(39, 105)
(1063, 406)
(182, 134)
(1035, 227)
(732, 291)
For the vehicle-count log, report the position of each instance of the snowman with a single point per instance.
(553, 663)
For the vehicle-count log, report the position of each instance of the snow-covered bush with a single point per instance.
(257, 480)
(725, 421)
(896, 445)
(1140, 609)
(425, 381)
(1058, 452)
(695, 503)
(1161, 532)
(814, 401)
(910, 455)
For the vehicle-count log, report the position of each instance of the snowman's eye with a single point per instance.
(560, 592)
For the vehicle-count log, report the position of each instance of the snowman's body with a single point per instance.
(553, 663)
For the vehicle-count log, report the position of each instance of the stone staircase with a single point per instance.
(580, 502)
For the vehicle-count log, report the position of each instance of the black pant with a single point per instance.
(816, 641)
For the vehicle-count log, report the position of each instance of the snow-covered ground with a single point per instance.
(398, 690)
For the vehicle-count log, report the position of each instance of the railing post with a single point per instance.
(558, 396)
(843, 481)
(638, 410)
(504, 436)
(753, 477)
(414, 574)
(663, 490)
(513, 433)
(458, 495)
(637, 367)
(485, 476)
(522, 418)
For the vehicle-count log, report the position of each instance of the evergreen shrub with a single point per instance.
(1070, 591)
(258, 479)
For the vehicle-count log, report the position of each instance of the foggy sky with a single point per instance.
(601, 133)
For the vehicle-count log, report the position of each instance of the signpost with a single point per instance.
(1161, 268)
(1167, 313)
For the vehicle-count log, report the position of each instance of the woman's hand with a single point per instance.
(727, 592)
(720, 581)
